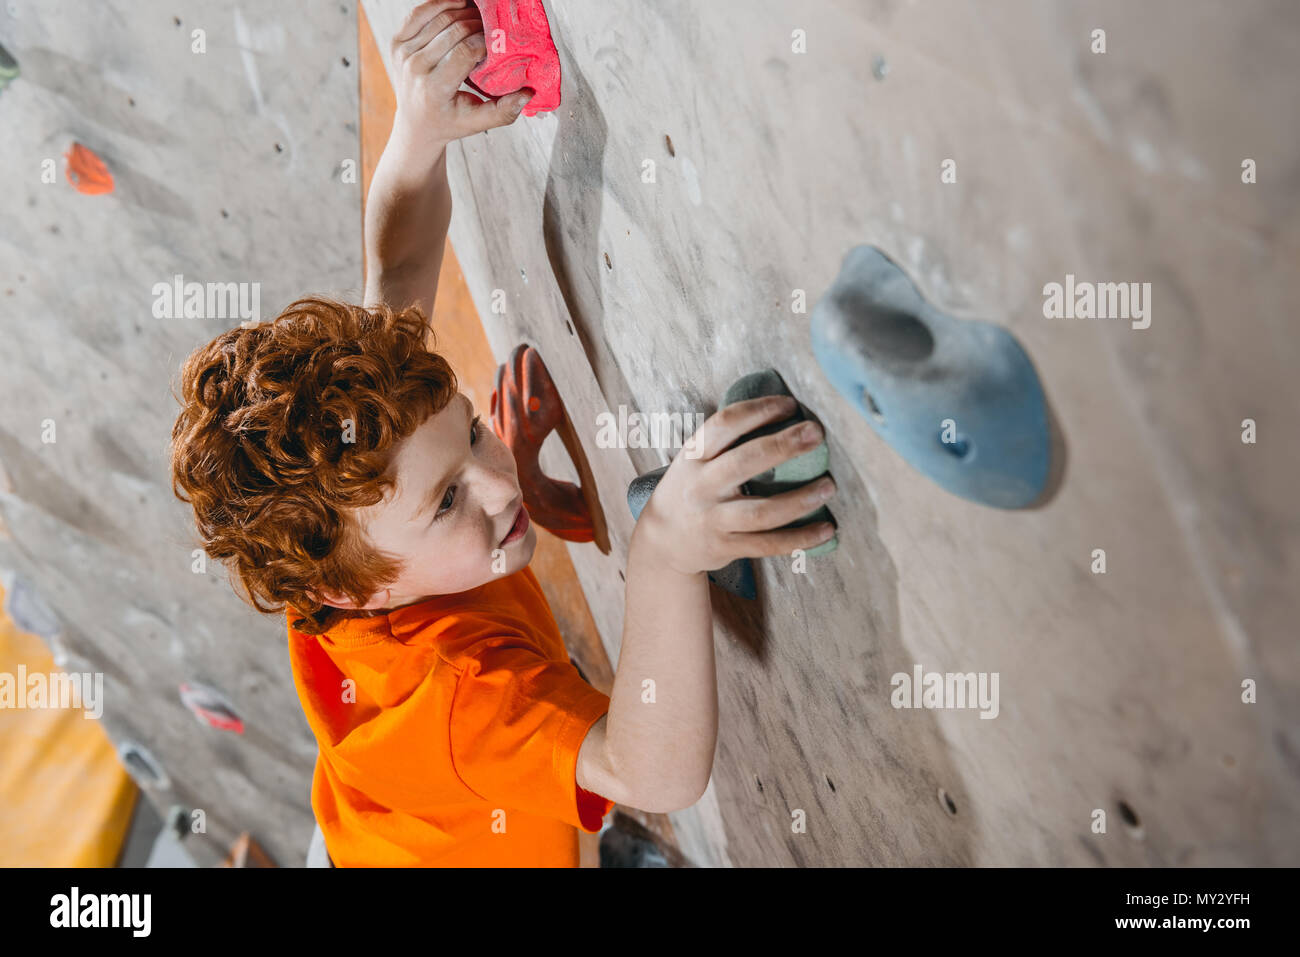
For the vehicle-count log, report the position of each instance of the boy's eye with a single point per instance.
(448, 500)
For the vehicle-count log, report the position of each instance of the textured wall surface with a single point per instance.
(649, 238)
(228, 168)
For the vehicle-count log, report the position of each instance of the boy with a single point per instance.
(334, 466)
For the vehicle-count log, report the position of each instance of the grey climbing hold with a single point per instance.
(28, 609)
(178, 822)
(142, 765)
(624, 848)
(737, 577)
(642, 487)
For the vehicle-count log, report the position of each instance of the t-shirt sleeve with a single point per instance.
(518, 720)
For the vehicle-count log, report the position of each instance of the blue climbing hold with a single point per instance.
(959, 400)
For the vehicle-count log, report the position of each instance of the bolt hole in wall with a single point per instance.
(947, 803)
(869, 401)
(959, 447)
(1130, 819)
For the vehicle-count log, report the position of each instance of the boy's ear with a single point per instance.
(337, 600)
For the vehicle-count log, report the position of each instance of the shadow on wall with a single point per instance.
(899, 757)
(830, 681)
(571, 217)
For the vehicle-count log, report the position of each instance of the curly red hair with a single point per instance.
(261, 447)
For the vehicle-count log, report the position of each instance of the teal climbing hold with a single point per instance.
(738, 576)
(794, 472)
(959, 400)
(8, 67)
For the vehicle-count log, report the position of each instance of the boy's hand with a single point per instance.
(697, 520)
(437, 47)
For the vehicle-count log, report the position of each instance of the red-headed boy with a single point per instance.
(335, 467)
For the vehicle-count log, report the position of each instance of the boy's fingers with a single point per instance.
(431, 32)
(419, 19)
(493, 113)
(450, 71)
(415, 20)
(758, 514)
(460, 28)
(729, 423)
(782, 541)
(739, 465)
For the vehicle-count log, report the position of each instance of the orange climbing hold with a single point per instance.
(87, 172)
(526, 408)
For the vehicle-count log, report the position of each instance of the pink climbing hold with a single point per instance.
(211, 707)
(520, 54)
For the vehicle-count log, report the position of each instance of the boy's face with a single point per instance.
(455, 514)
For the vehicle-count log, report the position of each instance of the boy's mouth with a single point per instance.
(519, 528)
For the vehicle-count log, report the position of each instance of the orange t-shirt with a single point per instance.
(449, 732)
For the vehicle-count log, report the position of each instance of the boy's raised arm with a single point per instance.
(408, 209)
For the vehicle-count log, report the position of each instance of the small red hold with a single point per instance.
(521, 54)
(87, 172)
(210, 707)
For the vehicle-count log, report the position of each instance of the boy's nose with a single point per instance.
(500, 490)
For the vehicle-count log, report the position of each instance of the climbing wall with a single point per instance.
(669, 229)
(226, 127)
